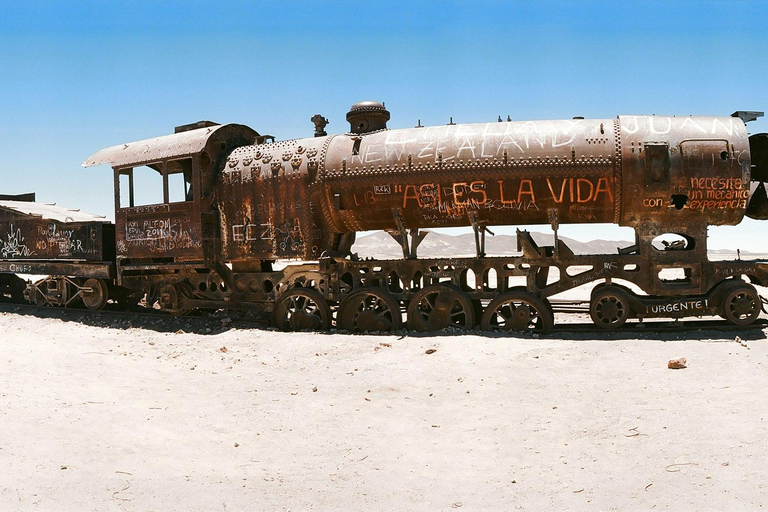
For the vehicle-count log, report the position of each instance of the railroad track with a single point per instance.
(572, 328)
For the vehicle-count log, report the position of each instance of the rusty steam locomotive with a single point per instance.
(203, 215)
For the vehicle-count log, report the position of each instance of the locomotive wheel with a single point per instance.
(439, 306)
(51, 291)
(518, 312)
(97, 297)
(38, 294)
(369, 309)
(609, 308)
(742, 305)
(169, 298)
(302, 309)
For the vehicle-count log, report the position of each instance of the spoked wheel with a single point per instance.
(95, 293)
(302, 309)
(439, 306)
(742, 305)
(609, 308)
(369, 309)
(518, 312)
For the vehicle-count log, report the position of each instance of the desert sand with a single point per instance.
(157, 418)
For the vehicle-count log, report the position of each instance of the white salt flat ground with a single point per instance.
(95, 418)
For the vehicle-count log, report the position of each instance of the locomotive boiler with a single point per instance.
(655, 174)
(229, 203)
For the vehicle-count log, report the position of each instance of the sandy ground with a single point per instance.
(104, 418)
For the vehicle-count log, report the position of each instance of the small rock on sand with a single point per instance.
(677, 364)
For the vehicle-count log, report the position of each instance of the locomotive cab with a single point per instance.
(165, 217)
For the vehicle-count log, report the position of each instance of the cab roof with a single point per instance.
(160, 148)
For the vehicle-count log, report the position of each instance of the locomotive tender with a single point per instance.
(203, 215)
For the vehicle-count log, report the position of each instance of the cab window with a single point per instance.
(179, 174)
(155, 183)
(141, 185)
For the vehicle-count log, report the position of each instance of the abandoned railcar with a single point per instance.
(203, 215)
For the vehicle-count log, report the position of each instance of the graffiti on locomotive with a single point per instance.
(51, 239)
(158, 235)
(457, 142)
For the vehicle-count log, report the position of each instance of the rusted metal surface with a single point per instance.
(679, 171)
(165, 230)
(158, 148)
(65, 291)
(367, 116)
(508, 173)
(33, 231)
(632, 170)
(173, 229)
(269, 202)
(656, 174)
(103, 270)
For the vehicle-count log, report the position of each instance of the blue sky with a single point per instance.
(77, 77)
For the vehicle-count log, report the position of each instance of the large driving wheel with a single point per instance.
(439, 306)
(518, 312)
(609, 308)
(302, 309)
(742, 304)
(95, 293)
(369, 309)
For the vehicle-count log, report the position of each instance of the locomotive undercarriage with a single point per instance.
(428, 294)
(512, 293)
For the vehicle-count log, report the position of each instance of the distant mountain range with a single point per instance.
(438, 245)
